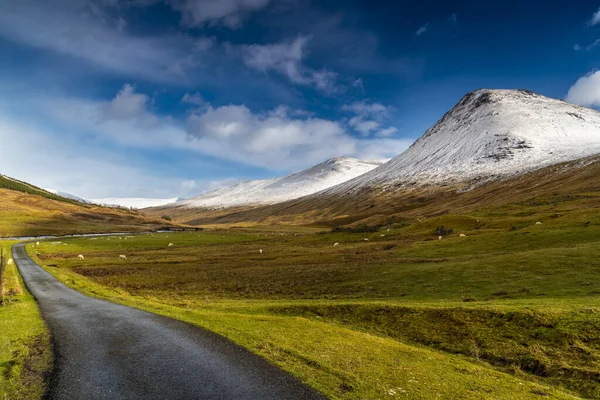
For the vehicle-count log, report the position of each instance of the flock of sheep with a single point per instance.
(81, 257)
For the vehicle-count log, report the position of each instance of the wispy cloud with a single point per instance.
(453, 19)
(287, 58)
(595, 20)
(422, 29)
(78, 29)
(589, 47)
(229, 13)
(369, 118)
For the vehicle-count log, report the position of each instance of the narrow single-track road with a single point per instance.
(109, 351)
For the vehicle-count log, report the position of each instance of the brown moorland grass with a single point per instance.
(508, 311)
(24, 214)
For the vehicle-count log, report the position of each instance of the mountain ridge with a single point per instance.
(271, 191)
(491, 133)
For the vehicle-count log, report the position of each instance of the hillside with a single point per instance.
(490, 134)
(494, 146)
(26, 210)
(250, 194)
(134, 202)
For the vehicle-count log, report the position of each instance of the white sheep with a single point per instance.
(260, 251)
(336, 244)
(538, 223)
(381, 235)
(439, 238)
(365, 240)
(170, 245)
(81, 257)
(10, 261)
(123, 257)
(37, 243)
(463, 235)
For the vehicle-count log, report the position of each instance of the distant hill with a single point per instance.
(27, 210)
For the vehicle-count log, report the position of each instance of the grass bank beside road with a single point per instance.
(25, 351)
(509, 311)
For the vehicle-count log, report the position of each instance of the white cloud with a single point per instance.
(586, 91)
(365, 127)
(422, 29)
(286, 58)
(595, 18)
(99, 166)
(369, 118)
(193, 98)
(129, 106)
(577, 47)
(189, 184)
(387, 131)
(272, 139)
(229, 13)
(368, 109)
(453, 19)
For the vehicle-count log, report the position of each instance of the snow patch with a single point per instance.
(259, 192)
(490, 133)
(134, 202)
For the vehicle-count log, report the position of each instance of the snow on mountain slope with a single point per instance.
(490, 133)
(67, 196)
(134, 202)
(322, 176)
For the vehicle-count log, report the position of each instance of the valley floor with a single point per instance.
(508, 311)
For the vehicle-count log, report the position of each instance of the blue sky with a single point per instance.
(165, 98)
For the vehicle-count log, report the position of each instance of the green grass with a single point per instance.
(501, 313)
(25, 354)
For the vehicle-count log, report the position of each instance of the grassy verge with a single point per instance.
(508, 311)
(25, 353)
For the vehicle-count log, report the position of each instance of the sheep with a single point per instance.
(365, 240)
(538, 223)
(123, 257)
(463, 235)
(439, 238)
(381, 235)
(336, 244)
(81, 257)
(37, 243)
(260, 251)
(10, 261)
(388, 230)
(170, 245)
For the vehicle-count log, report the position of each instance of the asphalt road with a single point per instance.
(109, 351)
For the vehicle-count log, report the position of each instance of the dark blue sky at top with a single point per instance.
(371, 48)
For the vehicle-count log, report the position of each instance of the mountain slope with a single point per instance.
(67, 196)
(26, 210)
(486, 143)
(322, 176)
(491, 133)
(134, 202)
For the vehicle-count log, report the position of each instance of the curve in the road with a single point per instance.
(110, 351)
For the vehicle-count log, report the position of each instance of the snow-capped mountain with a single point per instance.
(490, 133)
(259, 192)
(67, 196)
(134, 202)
